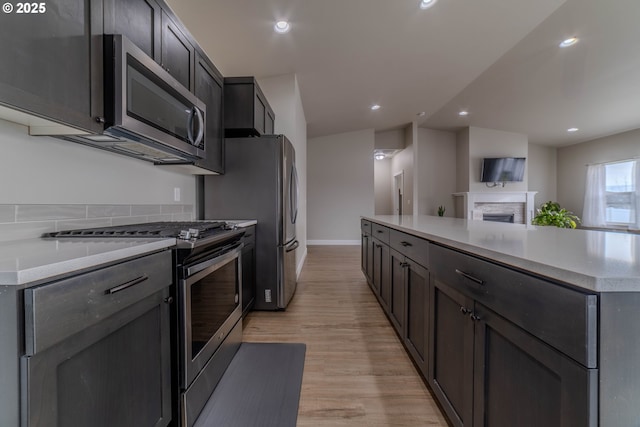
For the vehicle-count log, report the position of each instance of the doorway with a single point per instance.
(398, 191)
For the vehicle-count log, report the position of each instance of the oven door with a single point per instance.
(210, 308)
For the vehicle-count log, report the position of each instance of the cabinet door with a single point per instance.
(208, 88)
(138, 20)
(381, 273)
(417, 286)
(385, 277)
(52, 62)
(398, 294)
(364, 245)
(177, 53)
(542, 386)
(369, 266)
(451, 352)
(270, 123)
(114, 373)
(259, 114)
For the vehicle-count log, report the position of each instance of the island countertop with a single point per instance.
(592, 260)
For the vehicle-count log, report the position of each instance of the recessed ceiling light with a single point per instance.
(572, 130)
(421, 114)
(463, 113)
(282, 27)
(379, 156)
(375, 107)
(426, 4)
(569, 42)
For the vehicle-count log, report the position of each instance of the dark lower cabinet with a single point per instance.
(488, 372)
(52, 62)
(542, 386)
(500, 347)
(451, 356)
(417, 313)
(396, 310)
(248, 270)
(382, 273)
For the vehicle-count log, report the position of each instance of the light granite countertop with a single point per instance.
(592, 260)
(32, 261)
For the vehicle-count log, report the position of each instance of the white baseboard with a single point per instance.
(333, 242)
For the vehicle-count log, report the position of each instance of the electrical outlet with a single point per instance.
(267, 295)
(176, 194)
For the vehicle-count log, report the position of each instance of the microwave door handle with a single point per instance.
(190, 125)
(200, 126)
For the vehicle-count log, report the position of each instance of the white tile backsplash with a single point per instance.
(31, 221)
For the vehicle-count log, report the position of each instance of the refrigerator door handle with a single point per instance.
(293, 194)
(292, 246)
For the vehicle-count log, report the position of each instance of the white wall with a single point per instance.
(44, 170)
(340, 177)
(383, 187)
(283, 95)
(462, 161)
(495, 143)
(572, 161)
(542, 166)
(437, 171)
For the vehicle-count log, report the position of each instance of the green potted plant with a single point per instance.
(441, 210)
(551, 213)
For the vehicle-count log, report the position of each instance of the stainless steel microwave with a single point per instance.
(148, 113)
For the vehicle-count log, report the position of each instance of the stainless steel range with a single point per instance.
(207, 325)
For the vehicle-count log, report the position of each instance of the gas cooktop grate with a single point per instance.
(152, 229)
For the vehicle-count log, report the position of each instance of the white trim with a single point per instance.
(301, 263)
(332, 242)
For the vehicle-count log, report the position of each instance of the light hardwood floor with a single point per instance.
(357, 372)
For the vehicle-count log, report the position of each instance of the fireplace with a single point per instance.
(475, 205)
(499, 217)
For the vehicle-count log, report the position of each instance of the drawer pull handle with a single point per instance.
(404, 264)
(470, 277)
(465, 310)
(403, 243)
(379, 231)
(126, 285)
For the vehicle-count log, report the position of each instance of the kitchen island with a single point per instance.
(513, 324)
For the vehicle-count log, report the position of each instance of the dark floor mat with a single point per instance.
(260, 388)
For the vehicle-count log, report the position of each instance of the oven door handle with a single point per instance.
(232, 252)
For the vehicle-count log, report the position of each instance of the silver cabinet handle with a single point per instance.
(126, 285)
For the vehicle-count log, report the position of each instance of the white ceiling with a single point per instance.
(497, 58)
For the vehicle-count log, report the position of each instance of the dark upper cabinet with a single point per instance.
(138, 20)
(246, 110)
(178, 54)
(52, 63)
(209, 89)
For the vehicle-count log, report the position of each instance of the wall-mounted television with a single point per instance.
(502, 169)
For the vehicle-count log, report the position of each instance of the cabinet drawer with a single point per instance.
(57, 310)
(563, 318)
(365, 226)
(411, 246)
(379, 232)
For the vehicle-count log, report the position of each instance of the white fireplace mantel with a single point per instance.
(471, 198)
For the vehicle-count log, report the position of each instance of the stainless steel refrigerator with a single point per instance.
(261, 183)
